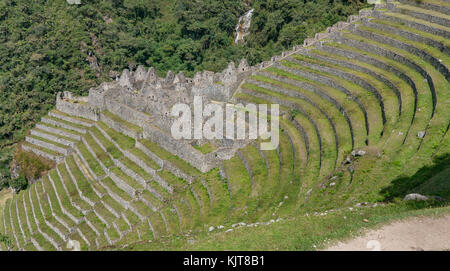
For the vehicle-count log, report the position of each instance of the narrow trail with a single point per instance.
(419, 233)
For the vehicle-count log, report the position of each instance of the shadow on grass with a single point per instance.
(431, 180)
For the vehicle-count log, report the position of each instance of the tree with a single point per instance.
(18, 184)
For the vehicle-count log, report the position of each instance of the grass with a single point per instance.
(42, 149)
(115, 189)
(87, 121)
(55, 135)
(300, 233)
(92, 162)
(82, 182)
(70, 125)
(145, 158)
(117, 119)
(336, 118)
(166, 155)
(355, 113)
(125, 142)
(205, 148)
(390, 101)
(61, 129)
(369, 101)
(406, 92)
(328, 152)
(99, 152)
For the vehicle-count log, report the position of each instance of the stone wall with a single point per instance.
(76, 106)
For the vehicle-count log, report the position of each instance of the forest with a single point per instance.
(51, 46)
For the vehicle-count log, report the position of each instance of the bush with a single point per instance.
(19, 184)
(31, 165)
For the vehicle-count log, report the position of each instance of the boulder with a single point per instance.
(415, 197)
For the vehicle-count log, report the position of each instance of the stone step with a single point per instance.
(63, 124)
(420, 13)
(52, 137)
(70, 118)
(44, 152)
(121, 126)
(54, 130)
(40, 142)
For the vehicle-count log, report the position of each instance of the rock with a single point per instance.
(309, 192)
(74, 2)
(229, 230)
(348, 160)
(421, 134)
(365, 220)
(415, 197)
(211, 229)
(220, 227)
(351, 169)
(332, 184)
(400, 133)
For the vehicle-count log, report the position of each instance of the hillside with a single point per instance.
(364, 121)
(51, 46)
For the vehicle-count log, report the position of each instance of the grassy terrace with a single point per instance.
(46, 208)
(61, 129)
(305, 171)
(48, 141)
(370, 103)
(432, 51)
(68, 123)
(420, 10)
(328, 152)
(337, 119)
(205, 148)
(54, 200)
(125, 142)
(87, 121)
(259, 178)
(441, 86)
(73, 195)
(424, 99)
(171, 218)
(82, 183)
(145, 158)
(392, 163)
(55, 135)
(407, 18)
(15, 223)
(390, 100)
(23, 215)
(93, 164)
(166, 155)
(355, 113)
(101, 155)
(403, 27)
(42, 149)
(40, 216)
(108, 182)
(239, 184)
(117, 119)
(406, 91)
(108, 145)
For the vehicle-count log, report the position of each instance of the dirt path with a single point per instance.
(422, 233)
(4, 195)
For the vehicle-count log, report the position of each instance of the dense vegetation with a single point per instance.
(50, 46)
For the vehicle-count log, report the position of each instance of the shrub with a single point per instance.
(31, 165)
(19, 183)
